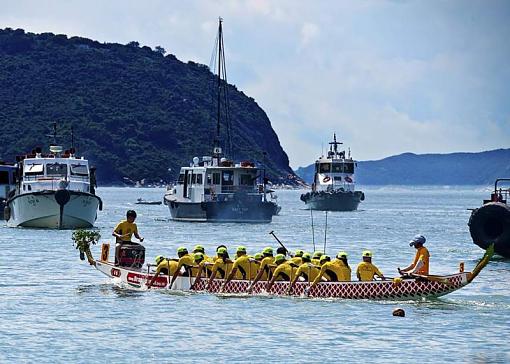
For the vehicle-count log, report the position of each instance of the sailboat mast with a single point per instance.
(220, 51)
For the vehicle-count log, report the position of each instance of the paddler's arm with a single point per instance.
(271, 281)
(379, 274)
(294, 280)
(413, 264)
(229, 278)
(257, 278)
(319, 276)
(176, 274)
(149, 285)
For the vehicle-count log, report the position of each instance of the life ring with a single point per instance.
(326, 179)
(348, 179)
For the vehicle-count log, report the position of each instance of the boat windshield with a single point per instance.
(325, 168)
(34, 169)
(228, 178)
(247, 179)
(4, 178)
(343, 168)
(56, 169)
(79, 170)
(181, 179)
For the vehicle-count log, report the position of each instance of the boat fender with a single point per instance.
(326, 179)
(62, 197)
(491, 224)
(7, 213)
(362, 198)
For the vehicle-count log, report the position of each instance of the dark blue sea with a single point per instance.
(56, 308)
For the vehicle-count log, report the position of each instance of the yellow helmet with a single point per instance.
(279, 258)
(159, 259)
(367, 253)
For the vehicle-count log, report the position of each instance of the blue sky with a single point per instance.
(387, 76)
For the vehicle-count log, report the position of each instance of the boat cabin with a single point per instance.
(54, 171)
(7, 179)
(206, 181)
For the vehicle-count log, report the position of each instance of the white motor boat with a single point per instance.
(55, 190)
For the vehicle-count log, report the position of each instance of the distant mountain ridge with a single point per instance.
(136, 112)
(480, 168)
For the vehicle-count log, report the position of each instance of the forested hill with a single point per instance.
(136, 112)
(430, 169)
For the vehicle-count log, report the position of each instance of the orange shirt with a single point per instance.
(422, 254)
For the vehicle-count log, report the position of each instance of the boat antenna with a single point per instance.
(313, 233)
(334, 145)
(220, 36)
(54, 135)
(325, 232)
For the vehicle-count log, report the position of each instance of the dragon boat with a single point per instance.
(416, 287)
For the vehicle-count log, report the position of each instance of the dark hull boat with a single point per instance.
(333, 201)
(216, 188)
(490, 223)
(226, 211)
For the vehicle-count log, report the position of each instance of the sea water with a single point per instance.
(56, 308)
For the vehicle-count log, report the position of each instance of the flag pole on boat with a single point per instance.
(313, 233)
(325, 232)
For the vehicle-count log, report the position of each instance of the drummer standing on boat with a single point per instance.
(124, 231)
(420, 265)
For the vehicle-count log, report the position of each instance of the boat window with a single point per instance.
(56, 169)
(209, 178)
(181, 179)
(246, 180)
(216, 179)
(338, 168)
(349, 168)
(189, 178)
(338, 178)
(33, 169)
(199, 179)
(194, 179)
(79, 170)
(325, 168)
(4, 177)
(228, 178)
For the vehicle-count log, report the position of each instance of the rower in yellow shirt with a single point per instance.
(186, 260)
(264, 271)
(367, 271)
(222, 266)
(284, 270)
(420, 265)
(298, 257)
(335, 271)
(201, 249)
(316, 257)
(163, 264)
(124, 231)
(306, 270)
(243, 267)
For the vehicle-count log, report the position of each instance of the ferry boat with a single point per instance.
(417, 287)
(333, 187)
(490, 223)
(7, 183)
(55, 190)
(215, 188)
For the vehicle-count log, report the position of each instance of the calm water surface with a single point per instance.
(55, 308)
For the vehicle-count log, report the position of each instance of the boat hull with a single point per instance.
(223, 211)
(333, 201)
(41, 210)
(374, 290)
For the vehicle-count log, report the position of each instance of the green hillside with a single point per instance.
(136, 112)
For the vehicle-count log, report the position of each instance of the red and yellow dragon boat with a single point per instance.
(415, 287)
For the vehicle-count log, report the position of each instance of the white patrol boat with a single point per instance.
(215, 188)
(333, 187)
(7, 183)
(55, 190)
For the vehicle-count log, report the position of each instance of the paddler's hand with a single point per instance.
(250, 288)
(141, 240)
(307, 291)
(400, 271)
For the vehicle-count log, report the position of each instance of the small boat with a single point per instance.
(333, 187)
(55, 190)
(7, 183)
(215, 188)
(490, 223)
(141, 201)
(394, 289)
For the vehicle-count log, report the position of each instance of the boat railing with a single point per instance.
(234, 189)
(500, 194)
